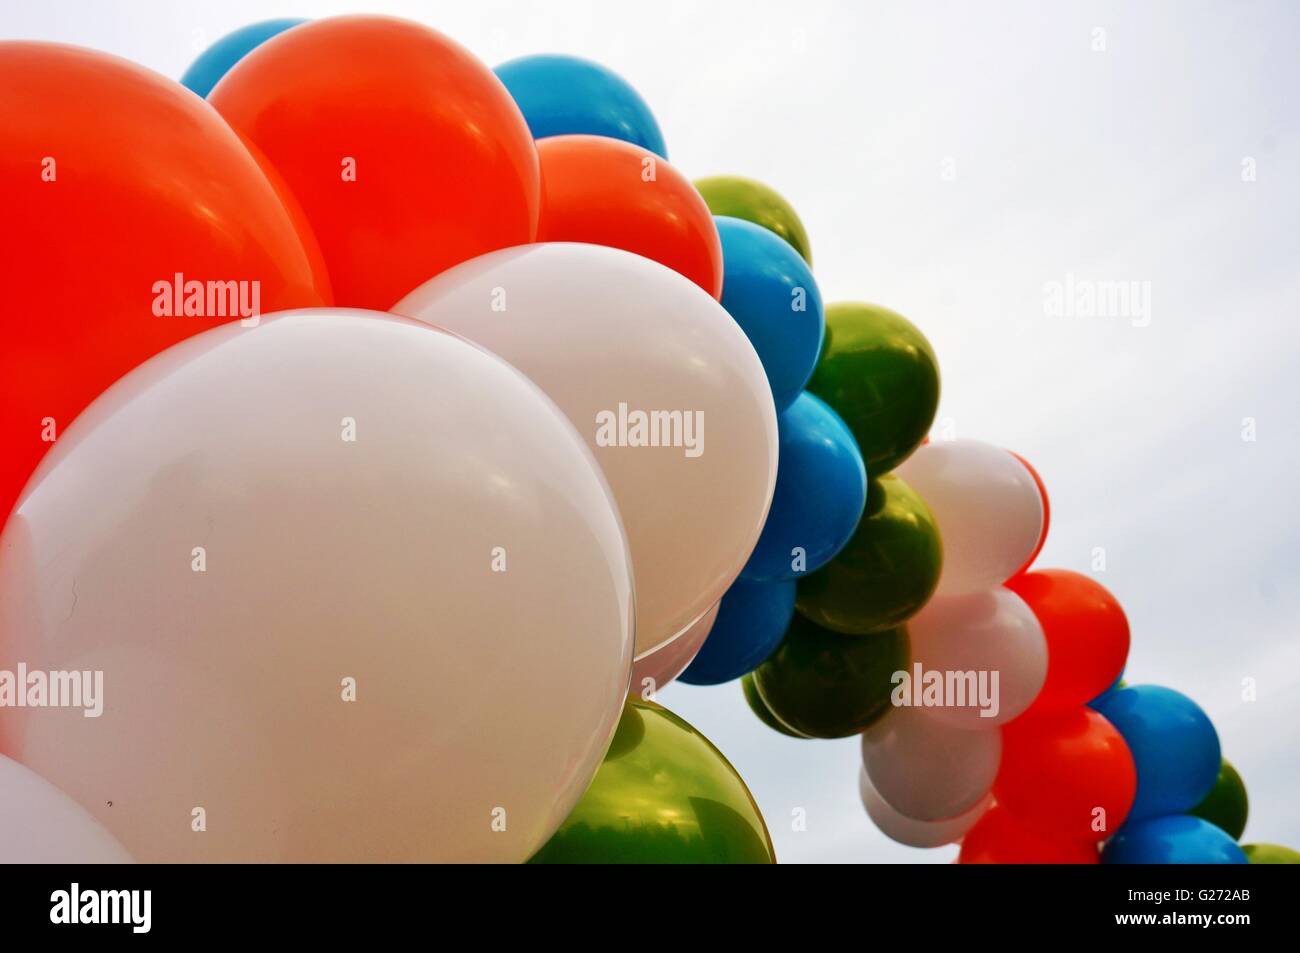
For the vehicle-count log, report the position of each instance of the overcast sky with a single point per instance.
(953, 161)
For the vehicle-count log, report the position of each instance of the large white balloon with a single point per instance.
(988, 508)
(908, 830)
(628, 348)
(39, 824)
(652, 672)
(357, 589)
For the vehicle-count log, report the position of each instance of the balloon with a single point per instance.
(1086, 630)
(772, 295)
(666, 663)
(1066, 774)
(324, 565)
(821, 488)
(39, 824)
(692, 510)
(98, 237)
(1176, 839)
(560, 95)
(928, 770)
(663, 795)
(214, 62)
(909, 831)
(1270, 854)
(879, 373)
(989, 512)
(1047, 514)
(993, 632)
(998, 838)
(406, 152)
(885, 573)
(751, 623)
(826, 685)
(736, 197)
(606, 192)
(760, 709)
(1174, 745)
(1226, 805)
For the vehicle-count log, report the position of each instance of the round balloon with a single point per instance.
(908, 830)
(760, 709)
(1173, 839)
(1226, 805)
(663, 795)
(214, 62)
(1270, 854)
(39, 824)
(666, 663)
(998, 838)
(1047, 513)
(673, 370)
(752, 620)
(301, 613)
(737, 197)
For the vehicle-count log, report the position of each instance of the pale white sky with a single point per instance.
(951, 160)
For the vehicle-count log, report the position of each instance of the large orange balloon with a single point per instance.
(997, 838)
(116, 183)
(608, 192)
(407, 153)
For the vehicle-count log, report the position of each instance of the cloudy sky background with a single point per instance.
(950, 160)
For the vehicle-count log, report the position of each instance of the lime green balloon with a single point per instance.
(885, 573)
(879, 373)
(761, 710)
(663, 795)
(826, 685)
(755, 202)
(1226, 806)
(1270, 854)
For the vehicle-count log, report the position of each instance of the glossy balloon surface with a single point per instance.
(738, 197)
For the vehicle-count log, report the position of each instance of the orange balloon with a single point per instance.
(997, 838)
(608, 192)
(114, 181)
(406, 152)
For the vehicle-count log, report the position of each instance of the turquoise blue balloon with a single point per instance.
(564, 95)
(821, 489)
(215, 62)
(1174, 746)
(751, 622)
(768, 289)
(1173, 839)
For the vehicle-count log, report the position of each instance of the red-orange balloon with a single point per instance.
(1066, 774)
(997, 838)
(115, 180)
(406, 152)
(1086, 630)
(609, 192)
(1047, 512)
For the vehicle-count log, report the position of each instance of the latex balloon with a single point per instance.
(773, 296)
(607, 192)
(666, 663)
(1176, 839)
(879, 373)
(998, 838)
(1086, 630)
(988, 508)
(760, 709)
(1066, 774)
(826, 685)
(214, 62)
(560, 95)
(909, 831)
(926, 769)
(821, 488)
(1174, 745)
(406, 152)
(39, 824)
(664, 795)
(114, 254)
(1047, 513)
(1226, 806)
(673, 370)
(887, 570)
(751, 623)
(308, 621)
(1270, 854)
(991, 632)
(737, 197)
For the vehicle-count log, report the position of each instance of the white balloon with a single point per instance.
(911, 832)
(652, 672)
(610, 335)
(39, 824)
(987, 506)
(356, 587)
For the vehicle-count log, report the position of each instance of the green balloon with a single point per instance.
(879, 373)
(755, 202)
(826, 685)
(1270, 854)
(663, 795)
(1226, 806)
(885, 573)
(761, 710)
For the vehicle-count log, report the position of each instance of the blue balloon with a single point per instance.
(215, 62)
(751, 622)
(821, 489)
(1173, 839)
(1174, 746)
(771, 293)
(562, 95)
